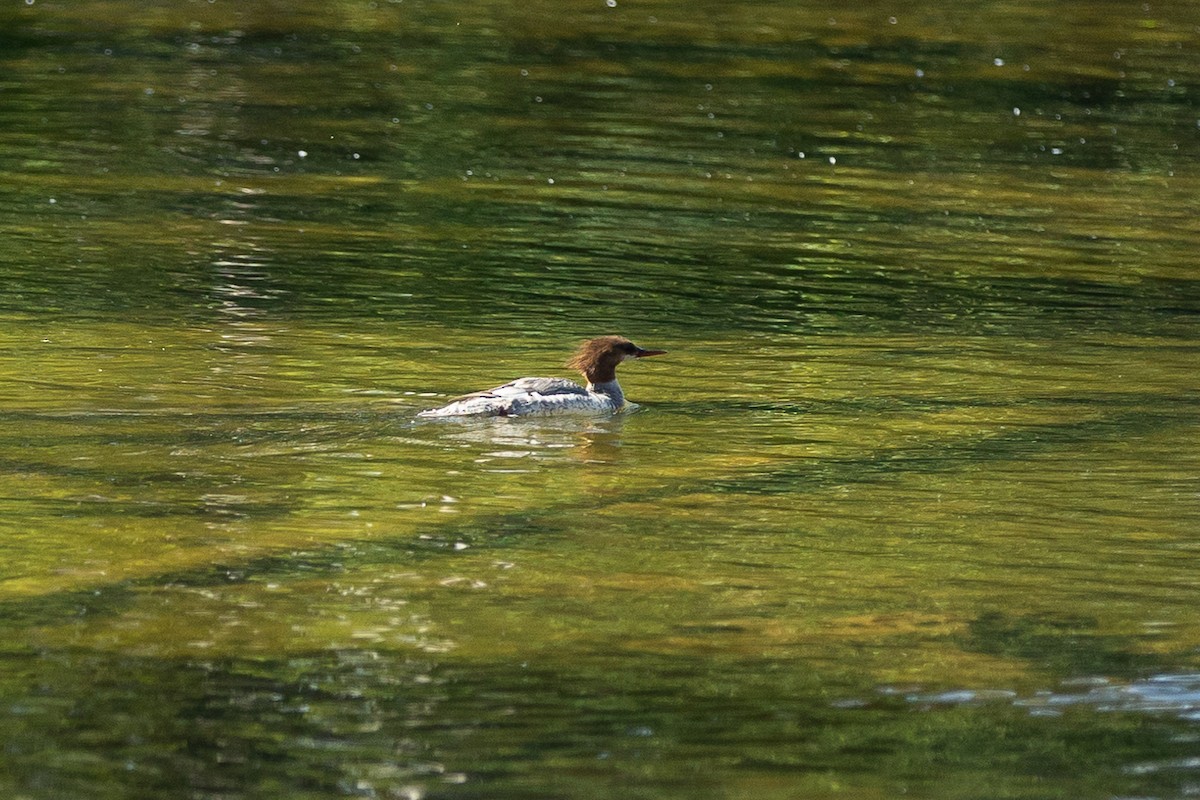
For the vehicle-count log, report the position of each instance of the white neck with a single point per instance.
(611, 389)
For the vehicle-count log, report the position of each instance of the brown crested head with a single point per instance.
(598, 358)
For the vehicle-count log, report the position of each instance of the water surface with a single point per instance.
(911, 506)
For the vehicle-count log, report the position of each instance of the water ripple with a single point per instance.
(1176, 695)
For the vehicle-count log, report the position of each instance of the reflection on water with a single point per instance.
(1162, 694)
(1173, 695)
(927, 421)
(502, 443)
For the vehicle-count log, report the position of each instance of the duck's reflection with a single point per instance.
(512, 444)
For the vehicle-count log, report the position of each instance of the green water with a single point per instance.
(911, 507)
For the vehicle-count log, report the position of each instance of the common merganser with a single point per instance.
(596, 358)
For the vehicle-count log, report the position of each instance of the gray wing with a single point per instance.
(542, 386)
(523, 386)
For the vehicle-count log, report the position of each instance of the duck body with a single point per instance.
(597, 359)
(532, 397)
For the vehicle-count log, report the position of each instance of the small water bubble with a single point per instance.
(550, 181)
(302, 153)
(832, 160)
(892, 20)
(920, 73)
(610, 3)
(524, 73)
(1016, 112)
